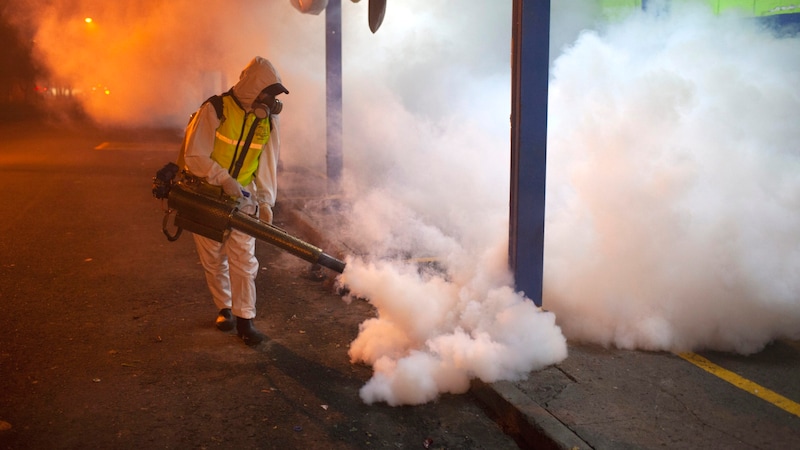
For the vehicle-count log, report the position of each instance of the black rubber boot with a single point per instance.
(225, 320)
(247, 332)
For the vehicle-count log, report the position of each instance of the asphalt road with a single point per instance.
(106, 329)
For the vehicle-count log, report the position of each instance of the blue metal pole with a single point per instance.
(529, 89)
(333, 94)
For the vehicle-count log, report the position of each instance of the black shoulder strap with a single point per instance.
(216, 102)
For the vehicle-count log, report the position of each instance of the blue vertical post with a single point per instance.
(333, 94)
(530, 65)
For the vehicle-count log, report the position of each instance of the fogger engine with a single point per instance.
(206, 210)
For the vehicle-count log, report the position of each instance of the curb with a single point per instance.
(529, 424)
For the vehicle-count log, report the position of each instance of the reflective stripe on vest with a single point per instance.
(231, 135)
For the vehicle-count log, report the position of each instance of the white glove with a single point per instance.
(247, 205)
(265, 212)
(232, 187)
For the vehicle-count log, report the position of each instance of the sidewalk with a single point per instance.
(601, 398)
(615, 399)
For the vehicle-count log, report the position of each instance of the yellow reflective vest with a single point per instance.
(230, 138)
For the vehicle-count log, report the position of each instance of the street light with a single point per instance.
(377, 10)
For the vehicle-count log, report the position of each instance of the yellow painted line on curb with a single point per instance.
(743, 383)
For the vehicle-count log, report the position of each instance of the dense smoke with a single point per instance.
(673, 196)
(673, 193)
(428, 172)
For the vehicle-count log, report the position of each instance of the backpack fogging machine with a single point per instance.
(206, 210)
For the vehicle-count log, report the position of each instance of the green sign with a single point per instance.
(616, 9)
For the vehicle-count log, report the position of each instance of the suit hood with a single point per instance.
(256, 76)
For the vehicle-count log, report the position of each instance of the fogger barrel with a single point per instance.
(206, 210)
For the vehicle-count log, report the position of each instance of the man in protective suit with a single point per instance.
(233, 142)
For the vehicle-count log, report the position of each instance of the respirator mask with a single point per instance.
(266, 104)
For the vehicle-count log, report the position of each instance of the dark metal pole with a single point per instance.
(529, 88)
(333, 97)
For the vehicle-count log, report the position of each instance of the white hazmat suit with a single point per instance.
(231, 266)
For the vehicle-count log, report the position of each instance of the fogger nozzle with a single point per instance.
(206, 210)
